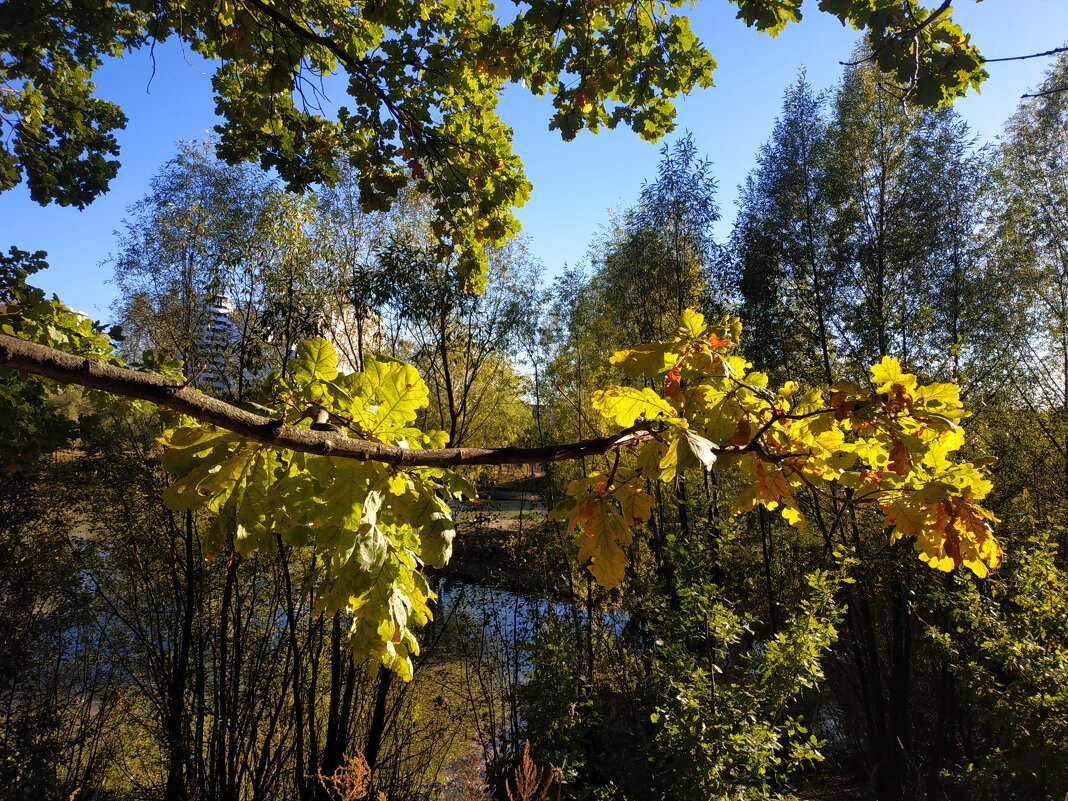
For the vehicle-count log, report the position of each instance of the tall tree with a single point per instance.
(786, 273)
(657, 256)
(679, 208)
(464, 342)
(194, 238)
(1032, 246)
(221, 268)
(861, 236)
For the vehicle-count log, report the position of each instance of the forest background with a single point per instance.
(741, 658)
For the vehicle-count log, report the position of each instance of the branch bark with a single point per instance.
(46, 362)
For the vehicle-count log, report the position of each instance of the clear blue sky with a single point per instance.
(575, 183)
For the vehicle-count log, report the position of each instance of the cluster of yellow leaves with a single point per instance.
(601, 511)
(372, 526)
(890, 443)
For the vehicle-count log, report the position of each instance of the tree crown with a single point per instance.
(424, 79)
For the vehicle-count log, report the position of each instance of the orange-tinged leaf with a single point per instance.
(634, 501)
(900, 458)
(716, 342)
(672, 382)
(603, 536)
(898, 399)
(977, 538)
(768, 487)
(743, 433)
(956, 531)
(594, 482)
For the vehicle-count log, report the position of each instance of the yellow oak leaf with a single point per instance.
(603, 535)
(888, 373)
(650, 359)
(634, 501)
(626, 405)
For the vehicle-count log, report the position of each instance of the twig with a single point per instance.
(1043, 54)
(1055, 90)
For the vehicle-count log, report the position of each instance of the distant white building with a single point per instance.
(218, 345)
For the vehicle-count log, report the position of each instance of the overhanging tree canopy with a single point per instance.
(424, 79)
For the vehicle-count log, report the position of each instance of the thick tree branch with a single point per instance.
(39, 360)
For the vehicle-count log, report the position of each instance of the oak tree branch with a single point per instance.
(40, 360)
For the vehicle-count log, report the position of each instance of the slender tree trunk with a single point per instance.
(443, 350)
(222, 697)
(378, 721)
(297, 688)
(178, 745)
(767, 546)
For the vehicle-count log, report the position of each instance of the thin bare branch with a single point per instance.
(902, 35)
(1055, 90)
(1055, 51)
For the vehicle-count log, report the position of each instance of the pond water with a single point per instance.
(513, 619)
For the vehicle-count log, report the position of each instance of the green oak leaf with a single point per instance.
(316, 360)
